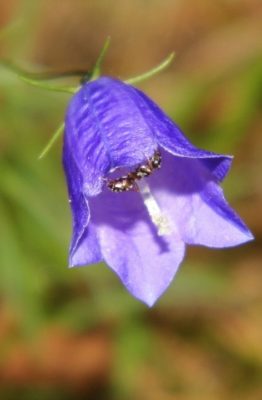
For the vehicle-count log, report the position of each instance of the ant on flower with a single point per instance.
(128, 182)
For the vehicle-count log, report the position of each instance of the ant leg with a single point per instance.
(136, 187)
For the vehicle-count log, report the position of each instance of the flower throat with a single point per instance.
(134, 181)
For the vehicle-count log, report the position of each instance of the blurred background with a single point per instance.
(78, 334)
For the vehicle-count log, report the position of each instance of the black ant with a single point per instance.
(128, 182)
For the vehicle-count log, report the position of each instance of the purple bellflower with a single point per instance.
(111, 129)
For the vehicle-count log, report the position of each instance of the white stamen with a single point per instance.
(158, 218)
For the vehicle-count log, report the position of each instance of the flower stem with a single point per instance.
(159, 68)
(157, 217)
(36, 79)
(41, 76)
(53, 139)
(97, 67)
(47, 86)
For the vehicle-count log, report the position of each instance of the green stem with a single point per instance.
(41, 76)
(97, 68)
(53, 139)
(35, 79)
(47, 86)
(164, 64)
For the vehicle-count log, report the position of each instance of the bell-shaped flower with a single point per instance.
(112, 130)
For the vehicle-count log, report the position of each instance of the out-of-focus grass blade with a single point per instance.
(21, 283)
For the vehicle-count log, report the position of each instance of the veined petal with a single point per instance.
(145, 262)
(105, 130)
(84, 247)
(196, 204)
(171, 138)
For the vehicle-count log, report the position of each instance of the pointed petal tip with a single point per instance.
(234, 241)
(249, 237)
(74, 263)
(151, 302)
(246, 236)
(148, 297)
(147, 300)
(71, 265)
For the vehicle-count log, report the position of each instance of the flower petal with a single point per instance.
(84, 248)
(196, 204)
(103, 128)
(145, 262)
(170, 137)
(87, 250)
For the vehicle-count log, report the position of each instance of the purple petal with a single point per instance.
(188, 194)
(170, 137)
(84, 248)
(103, 129)
(145, 262)
(87, 250)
